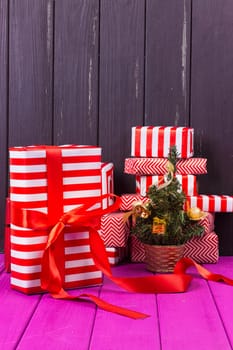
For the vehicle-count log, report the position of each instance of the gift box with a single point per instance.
(155, 141)
(114, 229)
(53, 180)
(128, 200)
(107, 174)
(208, 222)
(116, 255)
(188, 183)
(203, 249)
(211, 203)
(158, 166)
(136, 250)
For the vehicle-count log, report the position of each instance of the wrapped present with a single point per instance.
(203, 249)
(155, 141)
(208, 222)
(158, 166)
(128, 199)
(136, 250)
(7, 258)
(107, 174)
(211, 203)
(114, 229)
(188, 183)
(53, 180)
(116, 255)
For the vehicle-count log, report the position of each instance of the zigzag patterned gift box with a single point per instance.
(128, 199)
(212, 203)
(188, 183)
(158, 166)
(203, 249)
(53, 180)
(114, 230)
(155, 141)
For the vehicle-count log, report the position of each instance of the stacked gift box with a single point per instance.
(150, 147)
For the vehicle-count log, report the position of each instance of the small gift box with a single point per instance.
(211, 203)
(188, 183)
(49, 181)
(203, 249)
(107, 175)
(155, 141)
(158, 166)
(114, 229)
(116, 255)
(128, 199)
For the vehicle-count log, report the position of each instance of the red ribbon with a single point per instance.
(80, 218)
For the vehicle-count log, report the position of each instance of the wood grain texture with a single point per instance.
(3, 109)
(31, 65)
(167, 62)
(121, 81)
(123, 333)
(61, 324)
(190, 320)
(212, 102)
(76, 71)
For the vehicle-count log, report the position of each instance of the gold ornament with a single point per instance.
(195, 214)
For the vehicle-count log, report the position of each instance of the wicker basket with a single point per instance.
(161, 258)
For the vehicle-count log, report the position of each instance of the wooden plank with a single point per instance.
(223, 293)
(31, 65)
(16, 310)
(60, 324)
(190, 320)
(121, 82)
(212, 103)
(76, 71)
(3, 119)
(167, 62)
(115, 332)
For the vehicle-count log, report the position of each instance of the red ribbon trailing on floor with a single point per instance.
(82, 218)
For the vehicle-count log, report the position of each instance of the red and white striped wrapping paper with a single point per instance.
(107, 174)
(158, 166)
(81, 177)
(188, 183)
(116, 255)
(203, 249)
(155, 141)
(128, 199)
(114, 230)
(212, 203)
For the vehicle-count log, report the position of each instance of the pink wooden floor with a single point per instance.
(201, 318)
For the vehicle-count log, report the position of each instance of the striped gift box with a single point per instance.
(212, 203)
(107, 174)
(155, 141)
(158, 166)
(114, 229)
(34, 174)
(188, 183)
(203, 249)
(116, 255)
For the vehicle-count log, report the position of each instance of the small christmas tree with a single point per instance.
(163, 220)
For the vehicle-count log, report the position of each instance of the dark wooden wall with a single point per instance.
(85, 71)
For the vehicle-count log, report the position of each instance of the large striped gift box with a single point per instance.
(114, 229)
(211, 203)
(155, 141)
(53, 180)
(158, 166)
(203, 249)
(188, 183)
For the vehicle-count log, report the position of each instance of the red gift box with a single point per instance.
(155, 141)
(116, 255)
(107, 174)
(128, 199)
(136, 250)
(158, 166)
(211, 203)
(53, 180)
(114, 230)
(188, 183)
(207, 222)
(203, 249)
